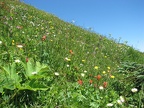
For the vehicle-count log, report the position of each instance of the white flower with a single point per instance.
(34, 73)
(19, 46)
(67, 59)
(109, 104)
(85, 71)
(17, 61)
(82, 74)
(0, 42)
(119, 102)
(67, 65)
(122, 99)
(56, 73)
(134, 90)
(101, 87)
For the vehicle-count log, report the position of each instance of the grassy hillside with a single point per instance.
(48, 63)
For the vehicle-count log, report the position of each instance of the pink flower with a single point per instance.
(43, 38)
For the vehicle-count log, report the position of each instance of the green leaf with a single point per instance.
(35, 70)
(9, 77)
(33, 85)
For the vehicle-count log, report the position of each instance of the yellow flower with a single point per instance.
(104, 72)
(112, 76)
(13, 42)
(96, 67)
(108, 67)
(83, 60)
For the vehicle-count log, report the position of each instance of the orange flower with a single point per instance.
(105, 84)
(43, 38)
(91, 81)
(71, 52)
(80, 82)
(98, 77)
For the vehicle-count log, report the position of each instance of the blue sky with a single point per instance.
(121, 18)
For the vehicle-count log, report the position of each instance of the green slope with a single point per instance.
(26, 25)
(49, 40)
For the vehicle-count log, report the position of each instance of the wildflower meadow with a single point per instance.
(48, 63)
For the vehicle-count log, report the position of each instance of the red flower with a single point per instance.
(43, 38)
(91, 81)
(105, 84)
(80, 82)
(98, 77)
(27, 59)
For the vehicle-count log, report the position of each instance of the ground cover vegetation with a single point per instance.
(48, 63)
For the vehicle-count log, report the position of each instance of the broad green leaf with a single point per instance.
(9, 77)
(34, 70)
(33, 85)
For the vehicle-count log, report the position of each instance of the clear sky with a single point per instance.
(121, 18)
